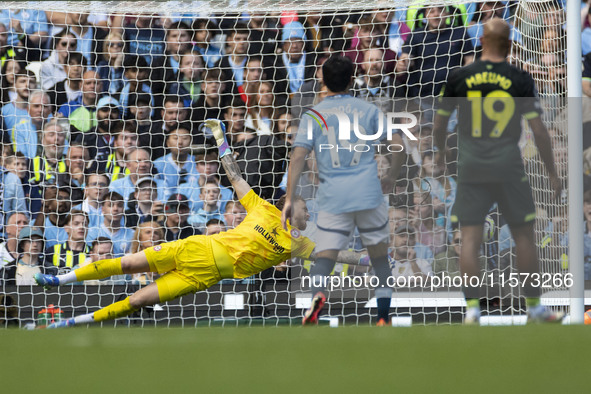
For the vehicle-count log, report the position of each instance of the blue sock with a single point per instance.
(384, 308)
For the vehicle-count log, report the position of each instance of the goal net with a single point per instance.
(104, 151)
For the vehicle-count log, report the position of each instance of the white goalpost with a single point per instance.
(103, 104)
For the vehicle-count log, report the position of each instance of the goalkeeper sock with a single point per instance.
(531, 302)
(67, 278)
(99, 270)
(84, 319)
(114, 311)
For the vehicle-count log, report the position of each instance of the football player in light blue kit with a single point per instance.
(344, 133)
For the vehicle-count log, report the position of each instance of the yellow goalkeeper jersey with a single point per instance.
(260, 242)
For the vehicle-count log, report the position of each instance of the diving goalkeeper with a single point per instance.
(198, 262)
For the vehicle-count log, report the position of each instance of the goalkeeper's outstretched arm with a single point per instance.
(241, 187)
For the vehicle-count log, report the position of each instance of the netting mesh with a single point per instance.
(105, 153)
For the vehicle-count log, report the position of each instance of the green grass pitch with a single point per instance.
(433, 359)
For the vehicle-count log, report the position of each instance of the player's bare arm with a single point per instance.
(296, 166)
(241, 187)
(544, 145)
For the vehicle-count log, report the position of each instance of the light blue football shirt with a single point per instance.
(347, 167)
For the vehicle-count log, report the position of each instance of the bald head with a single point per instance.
(495, 38)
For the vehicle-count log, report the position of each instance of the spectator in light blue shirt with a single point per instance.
(203, 29)
(207, 167)
(12, 197)
(27, 26)
(294, 56)
(178, 165)
(24, 133)
(178, 41)
(139, 165)
(112, 227)
(135, 77)
(210, 195)
(485, 12)
(97, 186)
(57, 203)
(14, 112)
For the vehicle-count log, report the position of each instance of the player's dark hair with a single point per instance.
(337, 72)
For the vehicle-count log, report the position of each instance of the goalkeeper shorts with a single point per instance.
(190, 259)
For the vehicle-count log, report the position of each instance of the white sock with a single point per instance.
(84, 319)
(67, 278)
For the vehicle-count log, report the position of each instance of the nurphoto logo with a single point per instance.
(340, 139)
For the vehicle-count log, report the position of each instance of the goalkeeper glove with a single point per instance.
(218, 130)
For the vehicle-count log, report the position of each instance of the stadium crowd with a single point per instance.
(104, 151)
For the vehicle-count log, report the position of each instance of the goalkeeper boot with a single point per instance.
(311, 315)
(47, 281)
(383, 323)
(472, 316)
(61, 324)
(543, 314)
